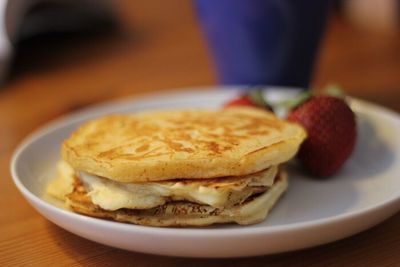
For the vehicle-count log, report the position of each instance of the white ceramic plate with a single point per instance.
(312, 212)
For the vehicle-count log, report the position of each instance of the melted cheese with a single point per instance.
(111, 195)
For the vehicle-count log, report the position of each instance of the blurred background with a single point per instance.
(62, 58)
(58, 56)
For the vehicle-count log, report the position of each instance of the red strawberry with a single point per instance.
(240, 101)
(252, 98)
(331, 128)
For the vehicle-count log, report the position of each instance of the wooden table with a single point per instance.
(159, 46)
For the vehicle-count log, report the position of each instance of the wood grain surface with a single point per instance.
(158, 46)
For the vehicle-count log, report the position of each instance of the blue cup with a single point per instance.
(257, 42)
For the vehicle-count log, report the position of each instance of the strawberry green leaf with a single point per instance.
(296, 101)
(256, 96)
(334, 90)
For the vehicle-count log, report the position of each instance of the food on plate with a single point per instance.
(191, 167)
(331, 128)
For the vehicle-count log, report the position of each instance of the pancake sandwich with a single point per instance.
(191, 167)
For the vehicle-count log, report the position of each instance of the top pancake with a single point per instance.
(171, 144)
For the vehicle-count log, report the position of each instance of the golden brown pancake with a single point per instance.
(178, 167)
(180, 144)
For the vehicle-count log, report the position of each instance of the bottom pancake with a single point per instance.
(183, 213)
